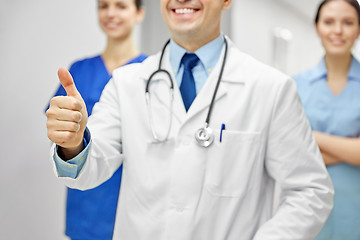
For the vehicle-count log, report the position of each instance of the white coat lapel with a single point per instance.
(162, 93)
(203, 99)
(178, 107)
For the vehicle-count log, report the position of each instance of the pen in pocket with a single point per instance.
(221, 131)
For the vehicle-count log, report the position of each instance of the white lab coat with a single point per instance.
(179, 190)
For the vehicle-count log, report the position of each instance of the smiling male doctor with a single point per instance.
(178, 189)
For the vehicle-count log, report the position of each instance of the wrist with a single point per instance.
(69, 153)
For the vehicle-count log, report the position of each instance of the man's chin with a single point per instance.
(184, 32)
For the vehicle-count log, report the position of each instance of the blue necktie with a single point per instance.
(187, 86)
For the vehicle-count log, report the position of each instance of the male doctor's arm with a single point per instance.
(66, 126)
(294, 161)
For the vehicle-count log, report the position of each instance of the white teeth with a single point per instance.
(184, 10)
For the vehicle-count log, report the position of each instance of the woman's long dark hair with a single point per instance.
(353, 3)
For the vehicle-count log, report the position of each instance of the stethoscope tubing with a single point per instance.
(207, 121)
(160, 70)
(204, 136)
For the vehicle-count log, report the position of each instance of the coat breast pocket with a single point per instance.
(234, 163)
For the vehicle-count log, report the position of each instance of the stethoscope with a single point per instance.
(204, 136)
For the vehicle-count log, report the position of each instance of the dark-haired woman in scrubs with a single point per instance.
(330, 93)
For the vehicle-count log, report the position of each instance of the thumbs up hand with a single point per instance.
(67, 118)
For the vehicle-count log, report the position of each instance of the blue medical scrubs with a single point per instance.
(336, 115)
(91, 214)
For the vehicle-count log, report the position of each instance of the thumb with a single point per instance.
(67, 82)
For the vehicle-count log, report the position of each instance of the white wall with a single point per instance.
(36, 38)
(253, 22)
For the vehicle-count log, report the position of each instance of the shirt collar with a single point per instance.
(320, 71)
(208, 54)
(354, 72)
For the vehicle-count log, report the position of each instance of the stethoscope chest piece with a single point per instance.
(204, 136)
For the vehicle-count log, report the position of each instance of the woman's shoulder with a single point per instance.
(88, 61)
(311, 74)
(140, 58)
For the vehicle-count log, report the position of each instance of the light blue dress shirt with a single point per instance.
(208, 54)
(72, 167)
(336, 115)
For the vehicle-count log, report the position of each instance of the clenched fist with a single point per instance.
(67, 118)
